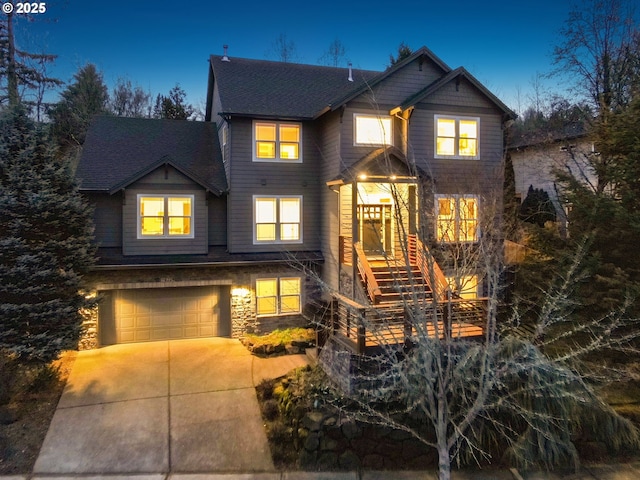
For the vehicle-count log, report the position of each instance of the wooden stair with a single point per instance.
(399, 284)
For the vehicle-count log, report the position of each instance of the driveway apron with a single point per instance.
(172, 406)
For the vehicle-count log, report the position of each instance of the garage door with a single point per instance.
(143, 315)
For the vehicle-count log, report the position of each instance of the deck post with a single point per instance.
(362, 335)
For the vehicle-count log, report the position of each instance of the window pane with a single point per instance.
(266, 149)
(468, 231)
(179, 226)
(266, 210)
(180, 207)
(152, 225)
(289, 231)
(290, 133)
(266, 232)
(266, 287)
(290, 304)
(468, 208)
(290, 210)
(373, 130)
(446, 127)
(445, 146)
(266, 131)
(468, 147)
(468, 129)
(152, 206)
(289, 151)
(289, 286)
(445, 207)
(266, 306)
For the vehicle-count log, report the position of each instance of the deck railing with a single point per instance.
(361, 327)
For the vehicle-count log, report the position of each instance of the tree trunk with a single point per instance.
(444, 463)
(12, 75)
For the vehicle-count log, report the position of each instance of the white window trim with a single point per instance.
(367, 144)
(457, 198)
(164, 236)
(278, 296)
(277, 159)
(277, 240)
(457, 137)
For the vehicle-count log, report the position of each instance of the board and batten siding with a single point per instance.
(164, 180)
(250, 178)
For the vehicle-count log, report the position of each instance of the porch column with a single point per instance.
(355, 236)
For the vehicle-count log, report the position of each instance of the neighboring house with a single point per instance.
(204, 227)
(538, 157)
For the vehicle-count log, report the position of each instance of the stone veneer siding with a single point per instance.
(241, 281)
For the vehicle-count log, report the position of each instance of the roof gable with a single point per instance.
(455, 75)
(119, 151)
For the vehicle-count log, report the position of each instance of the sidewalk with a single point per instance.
(629, 471)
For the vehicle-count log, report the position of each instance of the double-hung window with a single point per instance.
(278, 296)
(277, 219)
(277, 142)
(457, 137)
(165, 216)
(456, 218)
(372, 129)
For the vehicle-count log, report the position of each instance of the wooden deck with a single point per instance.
(366, 327)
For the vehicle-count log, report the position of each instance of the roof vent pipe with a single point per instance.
(350, 73)
(224, 57)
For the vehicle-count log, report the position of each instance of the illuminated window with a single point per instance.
(278, 296)
(372, 130)
(278, 219)
(466, 286)
(456, 218)
(165, 216)
(276, 142)
(457, 137)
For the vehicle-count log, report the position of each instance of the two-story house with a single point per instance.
(304, 184)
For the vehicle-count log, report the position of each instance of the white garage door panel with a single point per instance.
(144, 315)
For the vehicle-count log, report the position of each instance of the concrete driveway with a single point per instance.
(171, 406)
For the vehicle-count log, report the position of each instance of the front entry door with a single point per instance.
(375, 229)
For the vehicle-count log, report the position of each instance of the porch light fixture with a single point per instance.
(362, 176)
(393, 177)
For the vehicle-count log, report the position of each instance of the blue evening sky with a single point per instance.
(158, 43)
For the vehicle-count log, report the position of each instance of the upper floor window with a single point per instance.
(457, 137)
(372, 130)
(278, 296)
(165, 216)
(456, 218)
(277, 142)
(278, 219)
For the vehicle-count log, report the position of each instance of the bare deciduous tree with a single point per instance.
(455, 377)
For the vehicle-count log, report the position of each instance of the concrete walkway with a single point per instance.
(186, 406)
(187, 410)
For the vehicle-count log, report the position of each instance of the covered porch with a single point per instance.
(390, 286)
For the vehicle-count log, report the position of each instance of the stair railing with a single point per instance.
(429, 268)
(366, 273)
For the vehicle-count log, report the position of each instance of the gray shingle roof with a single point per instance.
(284, 90)
(118, 151)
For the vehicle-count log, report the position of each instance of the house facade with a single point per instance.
(538, 158)
(301, 190)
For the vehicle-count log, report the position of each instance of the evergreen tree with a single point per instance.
(45, 244)
(404, 51)
(537, 207)
(20, 71)
(81, 100)
(173, 106)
